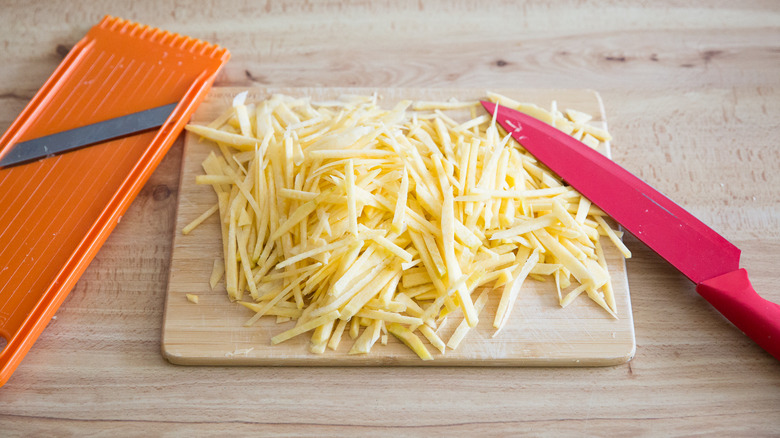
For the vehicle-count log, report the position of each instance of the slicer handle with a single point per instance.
(734, 297)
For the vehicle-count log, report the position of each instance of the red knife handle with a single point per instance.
(734, 297)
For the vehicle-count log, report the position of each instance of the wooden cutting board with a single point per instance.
(539, 332)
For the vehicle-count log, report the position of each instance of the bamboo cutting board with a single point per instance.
(539, 331)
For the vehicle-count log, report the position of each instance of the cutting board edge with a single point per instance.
(346, 361)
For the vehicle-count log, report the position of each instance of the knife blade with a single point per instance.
(72, 139)
(696, 250)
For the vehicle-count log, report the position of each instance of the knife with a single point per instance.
(69, 140)
(701, 254)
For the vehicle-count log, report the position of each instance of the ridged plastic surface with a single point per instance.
(57, 212)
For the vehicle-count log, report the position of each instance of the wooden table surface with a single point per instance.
(692, 94)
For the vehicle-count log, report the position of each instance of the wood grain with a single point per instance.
(692, 91)
(538, 333)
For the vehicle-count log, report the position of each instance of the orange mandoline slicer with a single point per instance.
(55, 213)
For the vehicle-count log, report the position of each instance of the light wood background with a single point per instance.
(692, 93)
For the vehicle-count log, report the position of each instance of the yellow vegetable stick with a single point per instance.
(369, 337)
(433, 338)
(245, 264)
(453, 267)
(335, 338)
(369, 291)
(389, 317)
(243, 120)
(213, 179)
(199, 220)
(412, 279)
(238, 141)
(609, 294)
(351, 202)
(319, 339)
(392, 247)
(390, 306)
(277, 310)
(572, 295)
(355, 271)
(217, 271)
(354, 328)
(339, 300)
(567, 220)
(313, 252)
(410, 340)
(512, 290)
(452, 105)
(291, 272)
(464, 327)
(435, 255)
(231, 270)
(399, 214)
(526, 227)
(613, 237)
(301, 213)
(565, 257)
(303, 328)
